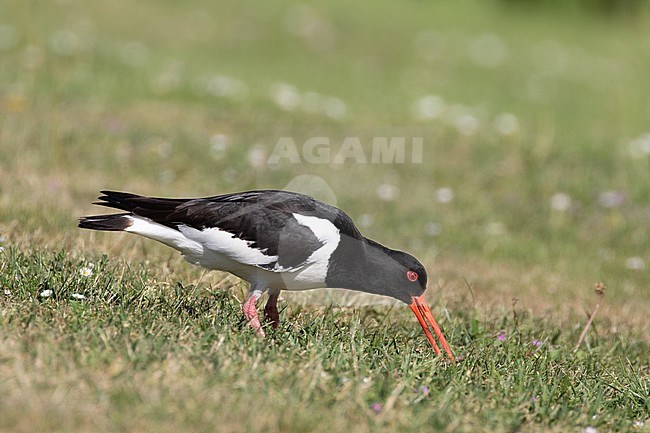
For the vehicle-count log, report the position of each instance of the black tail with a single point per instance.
(118, 200)
(113, 223)
(156, 209)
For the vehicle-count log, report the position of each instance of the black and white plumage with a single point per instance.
(276, 240)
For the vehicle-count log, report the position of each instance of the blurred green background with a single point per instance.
(533, 185)
(534, 180)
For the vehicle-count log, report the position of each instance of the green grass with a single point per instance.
(124, 95)
(140, 354)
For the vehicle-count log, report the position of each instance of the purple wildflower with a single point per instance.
(611, 199)
(502, 336)
(376, 407)
(536, 343)
(424, 390)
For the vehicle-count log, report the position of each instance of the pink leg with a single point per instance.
(271, 310)
(250, 312)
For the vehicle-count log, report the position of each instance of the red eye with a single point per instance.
(412, 276)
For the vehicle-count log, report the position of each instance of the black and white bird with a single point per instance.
(276, 240)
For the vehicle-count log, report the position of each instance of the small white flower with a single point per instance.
(286, 96)
(387, 192)
(506, 124)
(7, 292)
(2, 249)
(635, 263)
(640, 146)
(432, 229)
(589, 429)
(335, 108)
(218, 145)
(444, 195)
(560, 201)
(169, 78)
(428, 107)
(223, 86)
(611, 199)
(467, 124)
(78, 296)
(365, 220)
(46, 293)
(257, 157)
(86, 271)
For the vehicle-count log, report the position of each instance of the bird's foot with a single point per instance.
(250, 312)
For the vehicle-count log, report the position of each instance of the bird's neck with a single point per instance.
(361, 265)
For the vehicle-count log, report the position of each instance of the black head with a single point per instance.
(410, 277)
(403, 277)
(370, 267)
(394, 273)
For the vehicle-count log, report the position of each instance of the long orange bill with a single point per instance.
(422, 311)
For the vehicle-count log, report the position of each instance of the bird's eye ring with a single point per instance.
(412, 276)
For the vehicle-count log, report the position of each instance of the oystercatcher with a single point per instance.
(276, 240)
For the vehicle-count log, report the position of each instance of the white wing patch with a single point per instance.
(228, 245)
(323, 229)
(314, 270)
